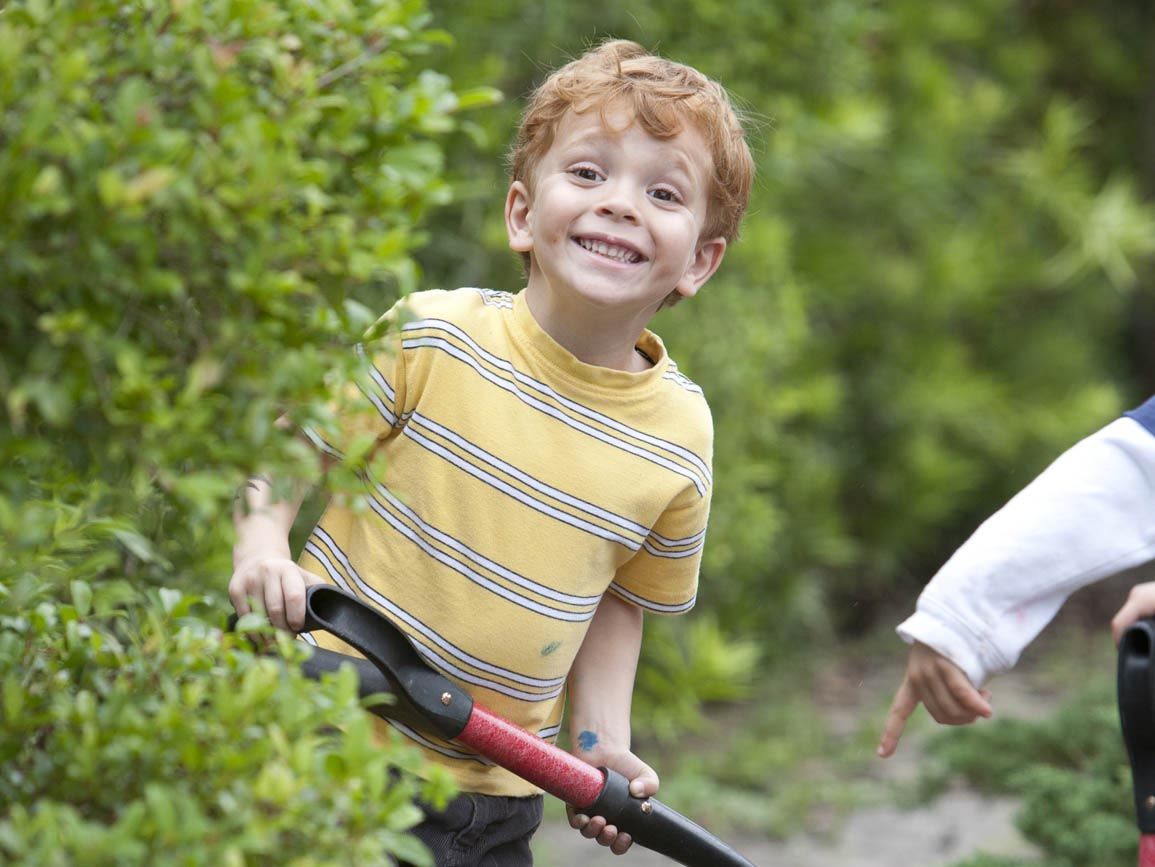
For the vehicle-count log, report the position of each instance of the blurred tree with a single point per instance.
(931, 295)
(1111, 73)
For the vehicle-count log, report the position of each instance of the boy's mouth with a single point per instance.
(610, 249)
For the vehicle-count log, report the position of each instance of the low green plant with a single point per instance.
(687, 666)
(995, 861)
(133, 732)
(771, 760)
(1070, 770)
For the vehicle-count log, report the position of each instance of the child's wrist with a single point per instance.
(593, 742)
(244, 559)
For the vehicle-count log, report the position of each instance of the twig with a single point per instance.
(353, 65)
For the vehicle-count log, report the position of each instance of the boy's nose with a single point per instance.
(618, 207)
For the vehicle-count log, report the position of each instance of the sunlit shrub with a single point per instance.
(134, 733)
(202, 205)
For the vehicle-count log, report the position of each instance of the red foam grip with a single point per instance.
(525, 754)
(1147, 850)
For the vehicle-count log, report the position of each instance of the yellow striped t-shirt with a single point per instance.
(520, 484)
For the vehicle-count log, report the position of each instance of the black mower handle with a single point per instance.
(426, 700)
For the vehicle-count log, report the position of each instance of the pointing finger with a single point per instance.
(905, 701)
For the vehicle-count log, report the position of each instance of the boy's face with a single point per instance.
(615, 215)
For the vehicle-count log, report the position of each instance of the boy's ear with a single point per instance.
(706, 260)
(517, 218)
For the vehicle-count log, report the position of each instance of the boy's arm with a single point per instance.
(263, 568)
(1091, 514)
(601, 685)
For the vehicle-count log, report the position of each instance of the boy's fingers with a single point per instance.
(944, 705)
(970, 698)
(593, 827)
(239, 593)
(274, 601)
(1117, 630)
(1140, 603)
(622, 843)
(293, 591)
(240, 600)
(294, 584)
(295, 602)
(577, 820)
(1122, 619)
(310, 579)
(644, 783)
(905, 701)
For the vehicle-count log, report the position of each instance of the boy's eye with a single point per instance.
(665, 194)
(586, 173)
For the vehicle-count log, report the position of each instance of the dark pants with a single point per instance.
(481, 831)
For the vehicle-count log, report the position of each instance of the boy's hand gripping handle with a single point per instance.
(1136, 688)
(428, 700)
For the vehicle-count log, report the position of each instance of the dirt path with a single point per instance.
(957, 824)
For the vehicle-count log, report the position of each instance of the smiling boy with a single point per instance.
(614, 221)
(548, 468)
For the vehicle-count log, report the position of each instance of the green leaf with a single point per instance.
(170, 599)
(136, 544)
(81, 597)
(13, 699)
(478, 97)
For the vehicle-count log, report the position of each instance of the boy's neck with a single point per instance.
(596, 337)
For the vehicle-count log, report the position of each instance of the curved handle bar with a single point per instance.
(1136, 692)
(427, 700)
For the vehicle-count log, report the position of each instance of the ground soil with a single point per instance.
(956, 824)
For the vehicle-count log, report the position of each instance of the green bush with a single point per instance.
(202, 205)
(134, 734)
(1070, 770)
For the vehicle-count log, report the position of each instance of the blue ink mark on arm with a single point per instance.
(550, 648)
(587, 741)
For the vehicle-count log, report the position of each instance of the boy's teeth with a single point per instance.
(611, 251)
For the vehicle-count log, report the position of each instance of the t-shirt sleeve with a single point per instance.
(662, 577)
(366, 411)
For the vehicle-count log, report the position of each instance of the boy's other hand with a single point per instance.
(1140, 603)
(643, 783)
(932, 680)
(278, 585)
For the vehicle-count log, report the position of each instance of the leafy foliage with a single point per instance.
(134, 734)
(1071, 772)
(688, 669)
(201, 207)
(199, 203)
(930, 294)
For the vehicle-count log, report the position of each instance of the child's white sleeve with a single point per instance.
(1090, 515)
